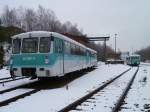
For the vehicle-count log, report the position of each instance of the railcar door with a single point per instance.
(61, 56)
(59, 50)
(87, 58)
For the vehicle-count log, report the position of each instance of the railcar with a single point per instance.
(48, 54)
(133, 60)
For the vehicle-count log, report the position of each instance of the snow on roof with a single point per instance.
(48, 34)
(32, 34)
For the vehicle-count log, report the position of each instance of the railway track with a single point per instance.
(125, 92)
(9, 95)
(96, 97)
(5, 100)
(9, 79)
(5, 78)
(33, 87)
(16, 87)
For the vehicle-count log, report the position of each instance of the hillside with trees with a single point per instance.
(145, 53)
(7, 32)
(41, 19)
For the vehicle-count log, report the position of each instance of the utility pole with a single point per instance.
(115, 47)
(105, 50)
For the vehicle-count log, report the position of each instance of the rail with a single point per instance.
(122, 97)
(73, 105)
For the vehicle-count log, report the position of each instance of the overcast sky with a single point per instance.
(129, 19)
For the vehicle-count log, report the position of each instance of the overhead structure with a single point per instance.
(100, 39)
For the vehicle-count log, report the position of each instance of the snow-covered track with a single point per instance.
(16, 87)
(10, 95)
(78, 102)
(9, 79)
(124, 94)
(16, 97)
(5, 78)
(145, 64)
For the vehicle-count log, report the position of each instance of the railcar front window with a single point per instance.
(44, 46)
(16, 46)
(30, 45)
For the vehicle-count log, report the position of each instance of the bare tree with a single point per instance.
(74, 30)
(52, 21)
(30, 19)
(68, 27)
(46, 19)
(20, 18)
(9, 17)
(41, 19)
(56, 26)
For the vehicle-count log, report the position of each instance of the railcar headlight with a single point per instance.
(46, 59)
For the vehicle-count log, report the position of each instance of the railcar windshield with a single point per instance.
(30, 45)
(44, 46)
(16, 46)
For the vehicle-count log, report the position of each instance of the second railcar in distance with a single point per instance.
(133, 60)
(48, 54)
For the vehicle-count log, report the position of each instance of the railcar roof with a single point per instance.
(48, 34)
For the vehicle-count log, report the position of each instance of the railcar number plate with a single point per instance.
(28, 58)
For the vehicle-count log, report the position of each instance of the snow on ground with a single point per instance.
(4, 73)
(106, 99)
(12, 84)
(12, 93)
(138, 99)
(53, 100)
(146, 64)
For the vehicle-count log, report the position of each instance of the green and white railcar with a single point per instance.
(133, 60)
(48, 54)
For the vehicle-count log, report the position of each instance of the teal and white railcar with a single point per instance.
(133, 60)
(48, 54)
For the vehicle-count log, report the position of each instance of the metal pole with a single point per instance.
(105, 50)
(115, 47)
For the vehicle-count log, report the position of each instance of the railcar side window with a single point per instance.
(84, 52)
(60, 50)
(67, 47)
(58, 46)
(73, 49)
(76, 50)
(80, 51)
(44, 46)
(30, 45)
(16, 46)
(55, 45)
